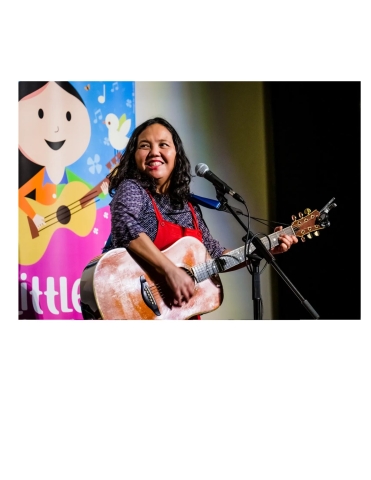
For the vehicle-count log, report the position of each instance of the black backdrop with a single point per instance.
(314, 145)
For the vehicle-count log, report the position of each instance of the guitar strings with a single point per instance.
(205, 270)
(70, 208)
(156, 289)
(85, 199)
(66, 215)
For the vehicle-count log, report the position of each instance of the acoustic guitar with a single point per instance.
(74, 209)
(66, 212)
(119, 285)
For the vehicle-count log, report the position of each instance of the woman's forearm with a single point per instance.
(147, 250)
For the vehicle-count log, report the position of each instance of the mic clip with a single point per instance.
(219, 205)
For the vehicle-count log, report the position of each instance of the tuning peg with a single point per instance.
(307, 211)
(309, 236)
(302, 239)
(316, 233)
(300, 215)
(293, 218)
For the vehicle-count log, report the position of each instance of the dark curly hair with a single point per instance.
(181, 176)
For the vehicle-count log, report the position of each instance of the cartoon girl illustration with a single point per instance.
(54, 132)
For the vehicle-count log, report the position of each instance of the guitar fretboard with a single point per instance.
(203, 271)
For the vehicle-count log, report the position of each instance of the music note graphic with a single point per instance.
(114, 86)
(98, 114)
(102, 98)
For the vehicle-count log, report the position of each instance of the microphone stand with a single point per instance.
(261, 252)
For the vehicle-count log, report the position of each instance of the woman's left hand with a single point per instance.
(286, 241)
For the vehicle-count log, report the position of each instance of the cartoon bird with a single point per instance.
(117, 130)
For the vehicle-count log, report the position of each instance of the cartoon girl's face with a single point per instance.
(54, 127)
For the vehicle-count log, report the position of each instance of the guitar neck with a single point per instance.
(205, 270)
(97, 190)
(93, 193)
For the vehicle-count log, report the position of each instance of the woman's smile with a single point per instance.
(153, 164)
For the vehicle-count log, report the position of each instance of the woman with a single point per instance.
(150, 208)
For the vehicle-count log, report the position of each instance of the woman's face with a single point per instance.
(54, 127)
(156, 154)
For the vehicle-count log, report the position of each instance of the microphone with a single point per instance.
(203, 170)
(212, 204)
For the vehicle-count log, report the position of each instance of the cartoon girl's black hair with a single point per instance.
(25, 88)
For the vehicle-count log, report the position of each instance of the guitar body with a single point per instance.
(66, 212)
(118, 285)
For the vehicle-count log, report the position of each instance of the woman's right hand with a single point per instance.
(39, 221)
(180, 283)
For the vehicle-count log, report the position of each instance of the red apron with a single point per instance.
(168, 233)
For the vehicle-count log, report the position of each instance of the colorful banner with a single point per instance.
(71, 135)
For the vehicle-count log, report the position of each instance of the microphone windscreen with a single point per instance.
(201, 169)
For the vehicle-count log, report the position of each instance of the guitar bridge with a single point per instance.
(147, 296)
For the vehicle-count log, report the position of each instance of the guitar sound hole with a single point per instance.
(63, 215)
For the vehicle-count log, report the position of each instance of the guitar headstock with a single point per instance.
(114, 162)
(310, 223)
(306, 226)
